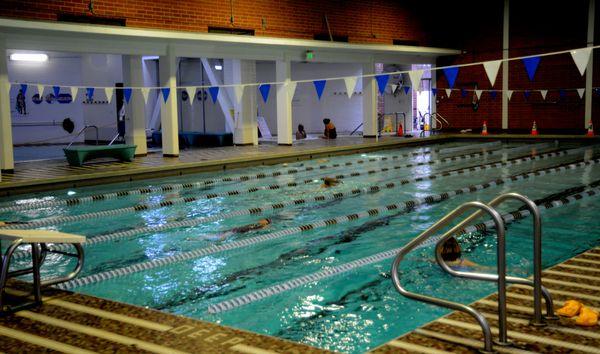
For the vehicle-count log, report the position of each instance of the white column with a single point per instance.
(369, 101)
(6, 142)
(167, 67)
(245, 131)
(135, 117)
(505, 46)
(432, 98)
(283, 73)
(589, 71)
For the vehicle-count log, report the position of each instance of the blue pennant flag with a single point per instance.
(406, 89)
(451, 74)
(526, 93)
(127, 94)
(165, 92)
(90, 92)
(433, 91)
(493, 94)
(56, 90)
(597, 91)
(531, 65)
(214, 93)
(264, 91)
(562, 93)
(382, 81)
(463, 93)
(24, 88)
(319, 86)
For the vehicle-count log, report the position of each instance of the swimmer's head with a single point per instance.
(451, 250)
(264, 222)
(330, 181)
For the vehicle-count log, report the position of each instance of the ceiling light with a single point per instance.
(150, 57)
(219, 67)
(29, 57)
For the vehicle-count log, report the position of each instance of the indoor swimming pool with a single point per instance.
(318, 272)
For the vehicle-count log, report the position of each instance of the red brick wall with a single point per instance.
(367, 21)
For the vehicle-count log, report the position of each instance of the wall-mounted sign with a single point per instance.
(50, 98)
(64, 98)
(36, 98)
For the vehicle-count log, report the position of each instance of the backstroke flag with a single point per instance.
(491, 69)
(350, 85)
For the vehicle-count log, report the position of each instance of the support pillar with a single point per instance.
(369, 101)
(135, 117)
(167, 68)
(589, 71)
(283, 73)
(6, 142)
(505, 46)
(245, 131)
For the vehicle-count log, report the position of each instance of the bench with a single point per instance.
(77, 155)
(189, 138)
(38, 240)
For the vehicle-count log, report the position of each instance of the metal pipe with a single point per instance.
(4, 269)
(81, 131)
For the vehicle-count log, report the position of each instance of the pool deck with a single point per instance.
(577, 278)
(37, 176)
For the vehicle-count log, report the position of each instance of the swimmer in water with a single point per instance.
(261, 224)
(452, 255)
(8, 223)
(330, 182)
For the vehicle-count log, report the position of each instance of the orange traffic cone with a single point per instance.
(534, 129)
(400, 130)
(590, 131)
(484, 129)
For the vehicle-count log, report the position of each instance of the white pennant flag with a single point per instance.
(415, 78)
(109, 93)
(238, 93)
(581, 57)
(40, 89)
(74, 90)
(478, 93)
(491, 69)
(509, 94)
(145, 91)
(448, 92)
(544, 93)
(580, 92)
(191, 91)
(394, 87)
(291, 87)
(350, 85)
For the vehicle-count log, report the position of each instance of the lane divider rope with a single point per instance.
(468, 147)
(251, 241)
(376, 258)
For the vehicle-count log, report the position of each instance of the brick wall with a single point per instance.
(368, 21)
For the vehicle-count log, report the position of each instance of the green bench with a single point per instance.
(77, 155)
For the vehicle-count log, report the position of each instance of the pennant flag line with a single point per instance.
(350, 83)
(214, 93)
(406, 89)
(145, 92)
(90, 93)
(74, 91)
(581, 57)
(24, 89)
(433, 91)
(463, 93)
(291, 87)
(382, 81)
(562, 94)
(478, 93)
(238, 93)
(531, 65)
(491, 69)
(56, 90)
(126, 94)
(580, 92)
(415, 78)
(40, 89)
(319, 87)
(509, 94)
(526, 93)
(451, 74)
(544, 93)
(493, 94)
(191, 91)
(394, 87)
(109, 93)
(264, 91)
(448, 92)
(165, 93)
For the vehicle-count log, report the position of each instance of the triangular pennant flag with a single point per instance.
(24, 89)
(214, 93)
(491, 69)
(264, 91)
(562, 93)
(597, 90)
(509, 93)
(56, 90)
(238, 93)
(382, 81)
(90, 93)
(580, 91)
(526, 93)
(544, 93)
(291, 87)
(531, 65)
(394, 87)
(74, 91)
(493, 94)
(350, 85)
(478, 94)
(191, 92)
(109, 93)
(448, 92)
(145, 92)
(463, 93)
(433, 91)
(581, 57)
(319, 86)
(126, 94)
(406, 89)
(415, 78)
(451, 74)
(40, 89)
(165, 93)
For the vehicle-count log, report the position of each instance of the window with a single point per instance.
(94, 20)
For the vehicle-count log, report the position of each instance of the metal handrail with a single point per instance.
(538, 289)
(81, 131)
(355, 129)
(485, 327)
(439, 118)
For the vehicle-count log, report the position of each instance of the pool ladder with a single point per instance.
(500, 278)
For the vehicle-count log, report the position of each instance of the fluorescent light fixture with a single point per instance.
(29, 57)
(218, 67)
(150, 57)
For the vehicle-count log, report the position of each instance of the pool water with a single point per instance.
(353, 311)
